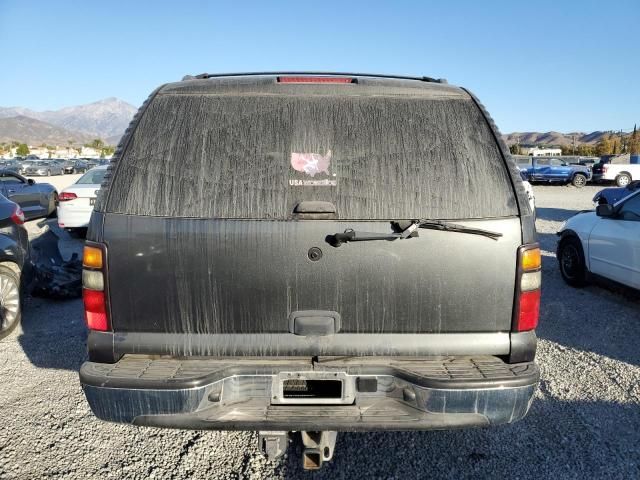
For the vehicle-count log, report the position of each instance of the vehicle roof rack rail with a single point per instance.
(346, 74)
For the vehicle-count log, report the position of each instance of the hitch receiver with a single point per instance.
(318, 448)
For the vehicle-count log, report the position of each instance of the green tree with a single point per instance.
(514, 149)
(567, 150)
(604, 145)
(616, 145)
(585, 150)
(22, 150)
(634, 142)
(97, 144)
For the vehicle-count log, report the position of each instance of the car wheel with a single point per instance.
(579, 180)
(571, 260)
(623, 180)
(10, 311)
(48, 173)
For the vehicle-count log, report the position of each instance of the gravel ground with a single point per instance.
(584, 422)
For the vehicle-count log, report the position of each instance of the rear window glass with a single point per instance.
(92, 177)
(257, 156)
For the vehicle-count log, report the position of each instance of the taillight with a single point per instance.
(96, 313)
(527, 304)
(66, 196)
(312, 79)
(95, 310)
(17, 216)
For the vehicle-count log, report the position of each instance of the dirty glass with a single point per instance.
(257, 156)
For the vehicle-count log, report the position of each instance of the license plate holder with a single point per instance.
(299, 388)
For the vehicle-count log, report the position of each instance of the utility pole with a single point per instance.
(573, 148)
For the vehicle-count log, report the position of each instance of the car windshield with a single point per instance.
(92, 177)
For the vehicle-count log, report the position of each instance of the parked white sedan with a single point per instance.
(75, 203)
(604, 243)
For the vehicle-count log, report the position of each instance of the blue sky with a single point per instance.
(536, 65)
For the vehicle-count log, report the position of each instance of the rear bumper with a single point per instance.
(378, 393)
(74, 216)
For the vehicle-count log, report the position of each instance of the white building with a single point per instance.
(543, 152)
(89, 152)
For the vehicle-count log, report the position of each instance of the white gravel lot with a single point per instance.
(584, 422)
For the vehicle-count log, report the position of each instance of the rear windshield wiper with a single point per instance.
(351, 235)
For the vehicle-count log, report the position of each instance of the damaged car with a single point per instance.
(292, 252)
(14, 257)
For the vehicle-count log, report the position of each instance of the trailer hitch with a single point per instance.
(318, 446)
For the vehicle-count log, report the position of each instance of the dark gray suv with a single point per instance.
(311, 252)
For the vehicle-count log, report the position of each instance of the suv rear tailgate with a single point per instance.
(246, 277)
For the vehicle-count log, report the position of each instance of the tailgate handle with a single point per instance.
(313, 206)
(314, 210)
(314, 322)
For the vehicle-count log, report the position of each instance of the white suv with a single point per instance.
(603, 243)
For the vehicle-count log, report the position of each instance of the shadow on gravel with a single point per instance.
(555, 214)
(557, 440)
(548, 242)
(53, 333)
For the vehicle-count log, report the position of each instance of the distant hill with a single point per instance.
(104, 119)
(115, 140)
(553, 138)
(35, 132)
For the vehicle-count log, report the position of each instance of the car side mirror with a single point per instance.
(605, 210)
(31, 181)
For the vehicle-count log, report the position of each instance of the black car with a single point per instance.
(14, 255)
(37, 200)
(75, 166)
(293, 252)
(91, 162)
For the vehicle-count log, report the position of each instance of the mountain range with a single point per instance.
(35, 132)
(555, 139)
(105, 119)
